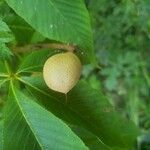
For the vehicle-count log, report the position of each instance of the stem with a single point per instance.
(33, 47)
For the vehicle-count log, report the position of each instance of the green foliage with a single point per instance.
(35, 124)
(67, 18)
(19, 27)
(121, 34)
(38, 59)
(35, 117)
(1, 134)
(91, 101)
(5, 37)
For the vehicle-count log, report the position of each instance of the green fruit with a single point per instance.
(62, 71)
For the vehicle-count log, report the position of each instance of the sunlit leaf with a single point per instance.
(60, 20)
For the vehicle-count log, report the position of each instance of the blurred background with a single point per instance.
(122, 46)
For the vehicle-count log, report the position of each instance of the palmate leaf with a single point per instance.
(89, 109)
(34, 61)
(29, 126)
(60, 20)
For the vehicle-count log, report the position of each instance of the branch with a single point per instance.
(34, 47)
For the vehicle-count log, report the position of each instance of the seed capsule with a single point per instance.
(62, 71)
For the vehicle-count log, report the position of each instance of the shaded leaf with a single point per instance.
(92, 111)
(91, 140)
(60, 109)
(23, 32)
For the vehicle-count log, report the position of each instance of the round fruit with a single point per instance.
(62, 71)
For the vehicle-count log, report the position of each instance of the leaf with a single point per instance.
(91, 140)
(4, 51)
(3, 26)
(61, 20)
(37, 37)
(35, 128)
(1, 134)
(62, 111)
(89, 109)
(3, 69)
(4, 9)
(22, 31)
(34, 61)
(94, 106)
(2, 81)
(5, 35)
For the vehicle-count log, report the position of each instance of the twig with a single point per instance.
(34, 47)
